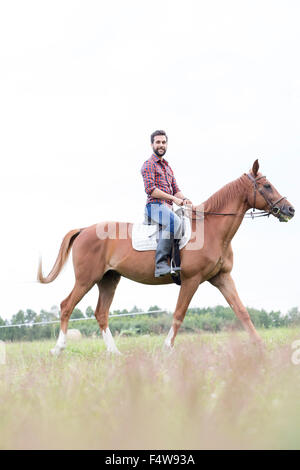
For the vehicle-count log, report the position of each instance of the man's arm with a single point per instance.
(180, 195)
(148, 172)
(159, 194)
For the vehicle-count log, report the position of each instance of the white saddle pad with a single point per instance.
(144, 236)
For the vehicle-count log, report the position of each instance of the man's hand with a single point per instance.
(178, 201)
(187, 201)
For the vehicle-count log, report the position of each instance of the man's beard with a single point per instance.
(160, 152)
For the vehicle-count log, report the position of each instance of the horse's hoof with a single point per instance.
(114, 352)
(167, 348)
(55, 352)
(117, 353)
(259, 346)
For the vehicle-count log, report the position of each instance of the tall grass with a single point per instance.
(214, 391)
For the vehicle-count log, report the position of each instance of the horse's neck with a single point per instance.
(228, 200)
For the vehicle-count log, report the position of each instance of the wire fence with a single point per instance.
(83, 319)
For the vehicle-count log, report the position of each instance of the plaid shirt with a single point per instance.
(158, 174)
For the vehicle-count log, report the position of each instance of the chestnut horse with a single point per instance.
(103, 260)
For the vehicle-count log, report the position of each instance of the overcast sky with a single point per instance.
(82, 86)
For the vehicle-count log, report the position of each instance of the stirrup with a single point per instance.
(174, 269)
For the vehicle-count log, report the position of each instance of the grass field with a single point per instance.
(214, 391)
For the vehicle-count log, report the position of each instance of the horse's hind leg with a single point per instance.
(107, 287)
(67, 306)
(187, 290)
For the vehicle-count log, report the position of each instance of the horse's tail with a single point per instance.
(62, 257)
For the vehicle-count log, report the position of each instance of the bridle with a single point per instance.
(273, 208)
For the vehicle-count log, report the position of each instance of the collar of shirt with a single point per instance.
(157, 159)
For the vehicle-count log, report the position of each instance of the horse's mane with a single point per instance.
(221, 198)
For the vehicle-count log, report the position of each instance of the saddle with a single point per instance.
(146, 234)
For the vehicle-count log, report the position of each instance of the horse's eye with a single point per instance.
(267, 186)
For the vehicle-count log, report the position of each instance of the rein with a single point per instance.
(251, 215)
(273, 209)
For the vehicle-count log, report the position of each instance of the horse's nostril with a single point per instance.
(291, 210)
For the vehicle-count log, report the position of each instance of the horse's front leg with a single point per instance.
(224, 282)
(187, 290)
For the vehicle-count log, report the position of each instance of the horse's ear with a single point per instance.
(255, 168)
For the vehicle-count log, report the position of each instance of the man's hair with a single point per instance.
(155, 133)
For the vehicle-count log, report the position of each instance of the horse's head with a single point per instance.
(264, 196)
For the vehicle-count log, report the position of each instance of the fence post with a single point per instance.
(2, 353)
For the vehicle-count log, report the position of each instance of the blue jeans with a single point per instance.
(170, 222)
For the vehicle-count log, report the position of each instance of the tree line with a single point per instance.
(212, 319)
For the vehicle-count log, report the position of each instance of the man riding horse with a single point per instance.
(162, 190)
(102, 261)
